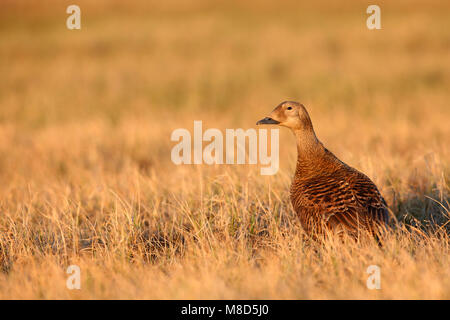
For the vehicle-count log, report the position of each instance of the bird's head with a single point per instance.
(290, 114)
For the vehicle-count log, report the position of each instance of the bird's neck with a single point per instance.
(310, 151)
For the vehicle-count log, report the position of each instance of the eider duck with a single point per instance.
(326, 193)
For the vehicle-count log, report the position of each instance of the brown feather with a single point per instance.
(325, 192)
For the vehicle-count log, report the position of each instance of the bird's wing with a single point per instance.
(367, 196)
(349, 199)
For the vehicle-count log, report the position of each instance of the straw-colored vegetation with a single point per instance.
(85, 170)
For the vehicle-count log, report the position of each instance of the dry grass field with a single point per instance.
(87, 179)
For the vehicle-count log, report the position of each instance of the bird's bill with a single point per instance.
(267, 120)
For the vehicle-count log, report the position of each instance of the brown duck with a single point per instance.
(326, 193)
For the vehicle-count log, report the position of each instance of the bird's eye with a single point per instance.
(289, 108)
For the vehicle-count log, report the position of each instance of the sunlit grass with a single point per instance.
(85, 169)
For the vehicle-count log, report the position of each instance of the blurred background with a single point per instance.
(113, 91)
(147, 57)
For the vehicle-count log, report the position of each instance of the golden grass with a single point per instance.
(85, 169)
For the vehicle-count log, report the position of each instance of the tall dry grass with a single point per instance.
(85, 170)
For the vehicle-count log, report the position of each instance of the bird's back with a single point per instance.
(326, 192)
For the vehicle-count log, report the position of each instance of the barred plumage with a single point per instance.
(325, 192)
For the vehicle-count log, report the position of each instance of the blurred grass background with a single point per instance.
(146, 56)
(86, 117)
